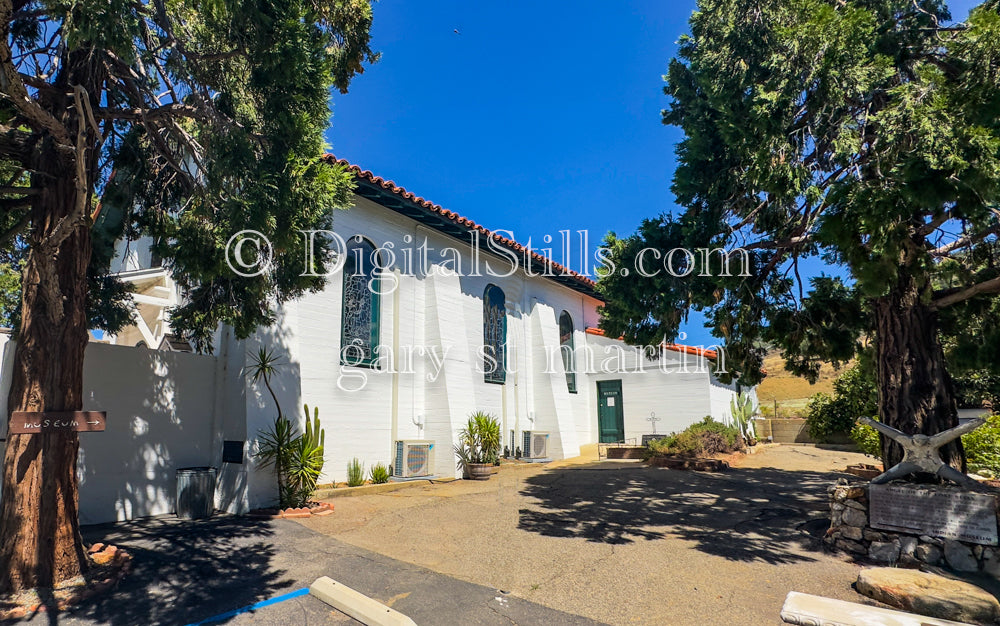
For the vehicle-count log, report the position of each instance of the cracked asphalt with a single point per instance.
(618, 542)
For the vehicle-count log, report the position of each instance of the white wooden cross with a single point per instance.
(652, 419)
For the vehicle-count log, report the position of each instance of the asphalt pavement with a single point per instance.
(187, 572)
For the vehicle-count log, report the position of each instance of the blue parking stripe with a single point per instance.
(253, 607)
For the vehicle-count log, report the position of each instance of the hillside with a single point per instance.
(791, 392)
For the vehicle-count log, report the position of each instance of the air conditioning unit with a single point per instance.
(536, 444)
(414, 457)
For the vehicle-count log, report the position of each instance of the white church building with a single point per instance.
(395, 371)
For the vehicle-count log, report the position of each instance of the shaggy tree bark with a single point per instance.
(144, 91)
(915, 392)
(39, 523)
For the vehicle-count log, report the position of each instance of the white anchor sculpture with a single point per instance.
(921, 453)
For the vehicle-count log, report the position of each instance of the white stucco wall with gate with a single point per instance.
(160, 417)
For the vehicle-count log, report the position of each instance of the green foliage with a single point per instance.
(10, 294)
(982, 448)
(379, 473)
(264, 364)
(978, 387)
(297, 459)
(479, 441)
(864, 134)
(355, 473)
(868, 440)
(276, 447)
(307, 463)
(211, 117)
(854, 395)
(705, 438)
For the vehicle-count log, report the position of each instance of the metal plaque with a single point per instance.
(938, 512)
(32, 422)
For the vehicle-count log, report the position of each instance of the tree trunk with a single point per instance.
(915, 393)
(40, 541)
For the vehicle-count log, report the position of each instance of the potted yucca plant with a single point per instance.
(478, 446)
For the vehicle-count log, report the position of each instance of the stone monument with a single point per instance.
(908, 524)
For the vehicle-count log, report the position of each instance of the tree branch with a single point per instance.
(963, 242)
(13, 204)
(17, 145)
(985, 287)
(12, 87)
(138, 115)
(16, 229)
(23, 191)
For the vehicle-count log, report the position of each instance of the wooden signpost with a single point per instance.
(34, 422)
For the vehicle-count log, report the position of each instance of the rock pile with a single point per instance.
(849, 532)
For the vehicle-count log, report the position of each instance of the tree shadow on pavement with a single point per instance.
(761, 514)
(183, 571)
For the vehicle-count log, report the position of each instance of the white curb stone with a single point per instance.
(808, 610)
(357, 605)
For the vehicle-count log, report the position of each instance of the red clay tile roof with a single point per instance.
(464, 222)
(676, 347)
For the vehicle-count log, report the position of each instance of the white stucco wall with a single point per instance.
(431, 396)
(434, 317)
(674, 388)
(159, 418)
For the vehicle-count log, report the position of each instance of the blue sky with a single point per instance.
(534, 117)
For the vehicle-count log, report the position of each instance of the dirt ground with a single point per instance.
(619, 542)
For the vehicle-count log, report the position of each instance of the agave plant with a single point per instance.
(297, 459)
(275, 450)
(479, 441)
(306, 463)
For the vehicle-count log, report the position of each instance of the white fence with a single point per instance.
(160, 418)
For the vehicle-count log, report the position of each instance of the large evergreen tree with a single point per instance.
(862, 132)
(193, 120)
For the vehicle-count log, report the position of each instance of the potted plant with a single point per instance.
(478, 446)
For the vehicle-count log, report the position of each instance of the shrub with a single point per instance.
(982, 448)
(705, 438)
(867, 439)
(661, 446)
(379, 474)
(479, 441)
(355, 473)
(297, 459)
(854, 395)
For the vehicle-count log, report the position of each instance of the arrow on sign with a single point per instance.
(34, 422)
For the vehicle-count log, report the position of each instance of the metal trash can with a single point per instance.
(195, 492)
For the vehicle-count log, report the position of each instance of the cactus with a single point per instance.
(314, 436)
(743, 410)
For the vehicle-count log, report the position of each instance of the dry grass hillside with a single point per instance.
(791, 392)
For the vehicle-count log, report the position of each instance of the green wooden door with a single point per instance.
(610, 415)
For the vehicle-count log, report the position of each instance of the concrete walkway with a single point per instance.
(619, 542)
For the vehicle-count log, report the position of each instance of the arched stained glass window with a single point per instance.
(494, 335)
(566, 347)
(359, 323)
